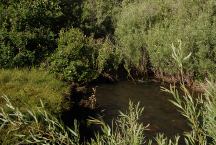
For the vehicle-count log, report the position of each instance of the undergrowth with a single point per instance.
(26, 87)
(33, 127)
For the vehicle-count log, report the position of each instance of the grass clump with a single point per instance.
(161, 139)
(209, 113)
(33, 127)
(127, 130)
(83, 59)
(27, 87)
(200, 113)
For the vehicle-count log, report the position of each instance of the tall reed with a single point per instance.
(199, 111)
(33, 127)
(128, 130)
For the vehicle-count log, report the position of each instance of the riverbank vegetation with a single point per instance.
(137, 34)
(30, 127)
(47, 45)
(25, 88)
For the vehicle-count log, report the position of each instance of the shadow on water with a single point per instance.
(159, 112)
(80, 108)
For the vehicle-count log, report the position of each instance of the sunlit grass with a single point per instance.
(26, 88)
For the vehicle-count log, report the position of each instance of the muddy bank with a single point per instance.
(191, 84)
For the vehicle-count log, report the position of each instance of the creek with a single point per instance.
(161, 115)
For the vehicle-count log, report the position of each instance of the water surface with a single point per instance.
(162, 115)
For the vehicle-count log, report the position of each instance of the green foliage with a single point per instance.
(199, 111)
(155, 25)
(98, 17)
(30, 31)
(194, 24)
(75, 57)
(81, 59)
(72, 13)
(128, 129)
(141, 31)
(180, 59)
(190, 109)
(33, 127)
(128, 31)
(163, 140)
(209, 113)
(27, 87)
(27, 33)
(109, 57)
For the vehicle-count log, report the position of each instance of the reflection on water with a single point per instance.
(158, 111)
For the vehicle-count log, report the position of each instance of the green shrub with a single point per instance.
(130, 37)
(194, 24)
(132, 24)
(72, 13)
(82, 59)
(75, 57)
(209, 114)
(98, 17)
(27, 33)
(155, 25)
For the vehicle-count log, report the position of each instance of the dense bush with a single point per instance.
(194, 24)
(131, 25)
(156, 25)
(80, 58)
(75, 56)
(72, 12)
(98, 17)
(27, 31)
(141, 30)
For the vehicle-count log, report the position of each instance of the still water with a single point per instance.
(162, 115)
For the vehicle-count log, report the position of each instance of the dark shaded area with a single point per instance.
(72, 12)
(80, 110)
(110, 76)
